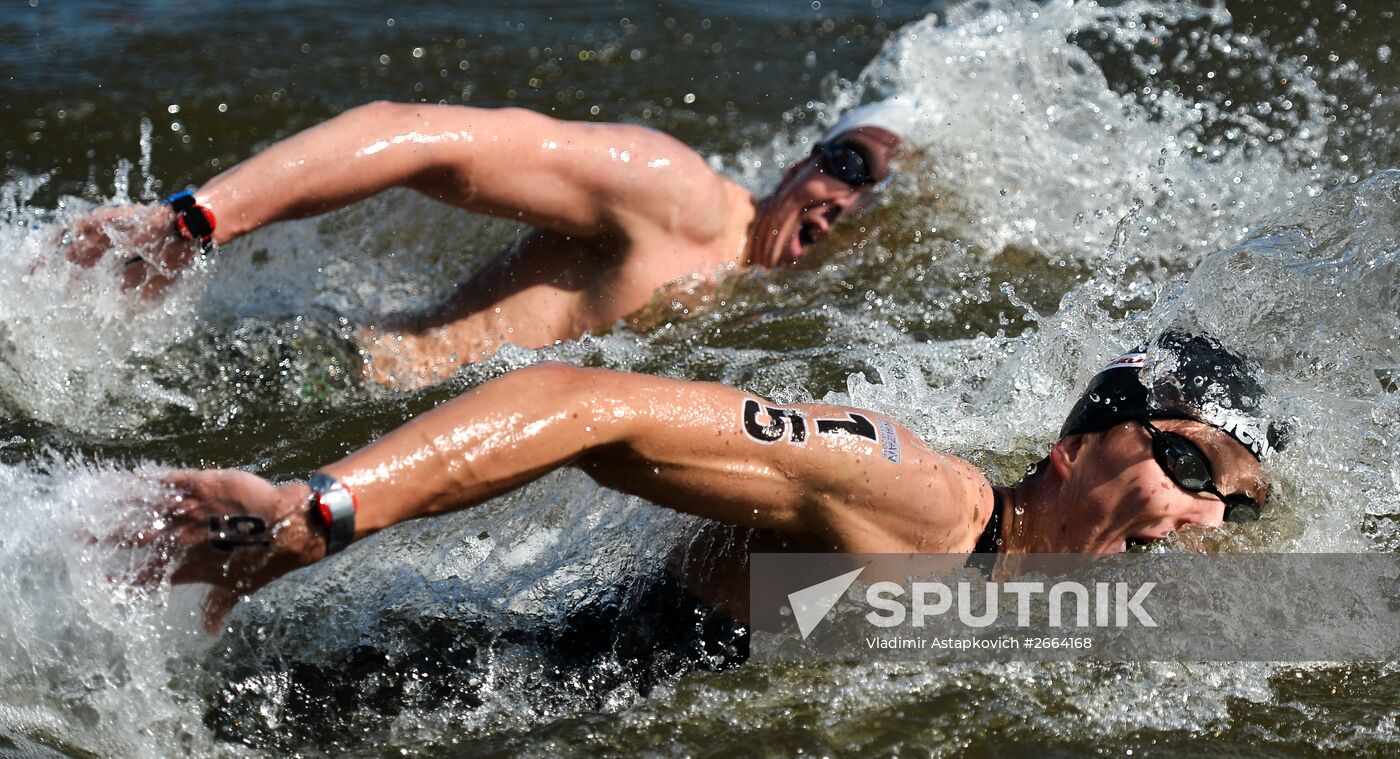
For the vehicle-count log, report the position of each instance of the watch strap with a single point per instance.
(335, 506)
(193, 221)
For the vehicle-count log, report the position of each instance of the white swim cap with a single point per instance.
(895, 114)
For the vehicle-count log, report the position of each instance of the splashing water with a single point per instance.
(86, 658)
(70, 341)
(1071, 193)
(1069, 153)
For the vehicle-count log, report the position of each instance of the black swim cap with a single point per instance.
(1179, 375)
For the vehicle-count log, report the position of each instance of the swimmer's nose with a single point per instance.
(853, 202)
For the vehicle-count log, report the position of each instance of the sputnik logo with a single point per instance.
(811, 604)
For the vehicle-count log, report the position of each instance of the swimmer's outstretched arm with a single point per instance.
(843, 479)
(572, 177)
(581, 179)
(696, 447)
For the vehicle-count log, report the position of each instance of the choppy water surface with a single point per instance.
(1086, 175)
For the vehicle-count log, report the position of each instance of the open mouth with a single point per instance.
(808, 234)
(1137, 543)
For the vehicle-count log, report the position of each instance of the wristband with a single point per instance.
(192, 220)
(335, 506)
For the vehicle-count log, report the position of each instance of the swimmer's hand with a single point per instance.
(230, 529)
(151, 252)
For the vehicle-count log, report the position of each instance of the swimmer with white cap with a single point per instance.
(837, 179)
(618, 212)
(894, 114)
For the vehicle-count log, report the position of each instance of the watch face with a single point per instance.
(322, 483)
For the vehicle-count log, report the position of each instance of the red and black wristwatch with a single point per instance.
(193, 222)
(334, 505)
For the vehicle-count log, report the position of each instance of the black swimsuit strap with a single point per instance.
(990, 539)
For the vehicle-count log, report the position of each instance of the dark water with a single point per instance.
(82, 75)
(1086, 174)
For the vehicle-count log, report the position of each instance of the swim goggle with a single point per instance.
(1188, 467)
(845, 162)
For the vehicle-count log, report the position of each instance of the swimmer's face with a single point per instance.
(813, 196)
(1117, 495)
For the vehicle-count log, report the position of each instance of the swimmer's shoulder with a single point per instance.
(668, 187)
(956, 502)
(907, 496)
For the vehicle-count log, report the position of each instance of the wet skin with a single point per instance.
(685, 446)
(1103, 493)
(616, 212)
(552, 286)
(1119, 493)
(809, 202)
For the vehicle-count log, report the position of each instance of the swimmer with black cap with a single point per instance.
(1189, 401)
(1168, 436)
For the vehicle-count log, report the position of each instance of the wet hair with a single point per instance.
(1180, 375)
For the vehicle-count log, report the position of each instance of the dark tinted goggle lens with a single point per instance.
(1186, 464)
(843, 162)
(1239, 509)
(1183, 461)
